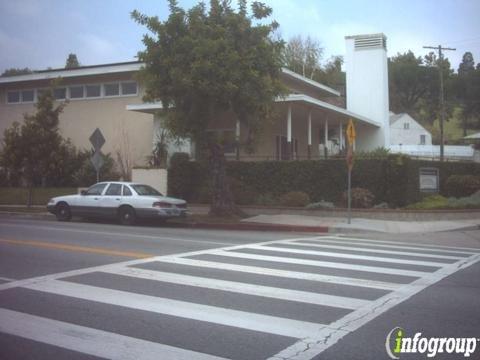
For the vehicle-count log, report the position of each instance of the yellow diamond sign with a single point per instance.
(351, 132)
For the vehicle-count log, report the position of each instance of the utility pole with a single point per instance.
(442, 98)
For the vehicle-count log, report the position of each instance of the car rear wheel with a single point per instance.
(126, 215)
(63, 212)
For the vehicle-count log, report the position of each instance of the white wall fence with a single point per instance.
(454, 152)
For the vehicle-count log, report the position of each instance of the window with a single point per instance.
(129, 88)
(28, 95)
(76, 92)
(93, 91)
(13, 97)
(60, 93)
(114, 189)
(96, 189)
(406, 126)
(126, 191)
(422, 139)
(111, 89)
(145, 190)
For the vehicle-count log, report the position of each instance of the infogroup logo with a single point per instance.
(397, 343)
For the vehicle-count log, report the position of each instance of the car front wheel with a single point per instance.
(63, 212)
(126, 215)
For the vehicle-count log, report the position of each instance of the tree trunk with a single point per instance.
(222, 199)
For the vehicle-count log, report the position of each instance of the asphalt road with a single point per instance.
(99, 290)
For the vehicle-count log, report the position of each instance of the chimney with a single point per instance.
(367, 86)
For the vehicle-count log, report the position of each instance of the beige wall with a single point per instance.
(81, 117)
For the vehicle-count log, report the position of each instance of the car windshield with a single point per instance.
(145, 190)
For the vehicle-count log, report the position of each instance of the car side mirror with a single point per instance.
(83, 192)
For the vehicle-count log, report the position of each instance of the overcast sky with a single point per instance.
(41, 33)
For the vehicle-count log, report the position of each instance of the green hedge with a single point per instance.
(40, 196)
(393, 179)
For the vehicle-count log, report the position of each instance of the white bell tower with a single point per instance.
(367, 86)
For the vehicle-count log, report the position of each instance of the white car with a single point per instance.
(122, 200)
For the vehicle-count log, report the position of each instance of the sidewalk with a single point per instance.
(301, 223)
(335, 224)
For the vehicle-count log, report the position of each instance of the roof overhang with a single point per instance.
(310, 82)
(473, 136)
(147, 108)
(310, 101)
(78, 72)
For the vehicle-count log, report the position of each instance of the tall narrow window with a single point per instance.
(93, 90)
(422, 139)
(111, 89)
(27, 95)
(129, 88)
(406, 126)
(13, 97)
(76, 92)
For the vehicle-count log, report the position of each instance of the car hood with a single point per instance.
(66, 197)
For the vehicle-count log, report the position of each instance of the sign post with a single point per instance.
(351, 138)
(97, 140)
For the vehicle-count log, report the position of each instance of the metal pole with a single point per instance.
(349, 196)
(98, 176)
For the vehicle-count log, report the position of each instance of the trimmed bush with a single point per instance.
(430, 202)
(361, 198)
(462, 185)
(393, 179)
(294, 198)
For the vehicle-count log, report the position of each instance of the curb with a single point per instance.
(246, 226)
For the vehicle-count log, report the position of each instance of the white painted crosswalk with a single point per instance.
(338, 280)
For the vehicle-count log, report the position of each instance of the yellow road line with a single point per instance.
(77, 248)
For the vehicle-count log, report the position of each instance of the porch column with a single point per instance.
(341, 136)
(289, 132)
(309, 150)
(326, 137)
(237, 139)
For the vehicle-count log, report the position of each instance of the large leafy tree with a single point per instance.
(204, 62)
(35, 151)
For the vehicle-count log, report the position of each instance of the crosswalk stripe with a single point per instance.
(460, 249)
(244, 288)
(346, 256)
(374, 250)
(376, 245)
(340, 280)
(241, 319)
(90, 341)
(328, 264)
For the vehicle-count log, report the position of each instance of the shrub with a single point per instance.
(361, 198)
(321, 205)
(266, 200)
(462, 185)
(430, 202)
(242, 194)
(294, 198)
(86, 175)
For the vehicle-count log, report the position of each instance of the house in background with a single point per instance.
(404, 130)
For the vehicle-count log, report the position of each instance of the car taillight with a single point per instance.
(161, 204)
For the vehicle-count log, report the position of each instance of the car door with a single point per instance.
(89, 204)
(111, 200)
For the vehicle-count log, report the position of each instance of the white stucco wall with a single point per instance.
(399, 135)
(156, 178)
(367, 88)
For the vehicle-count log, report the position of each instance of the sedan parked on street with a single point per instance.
(122, 200)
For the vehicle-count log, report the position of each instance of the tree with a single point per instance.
(16, 71)
(204, 63)
(303, 56)
(331, 74)
(468, 92)
(35, 151)
(72, 62)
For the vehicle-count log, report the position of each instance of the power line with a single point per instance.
(442, 98)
